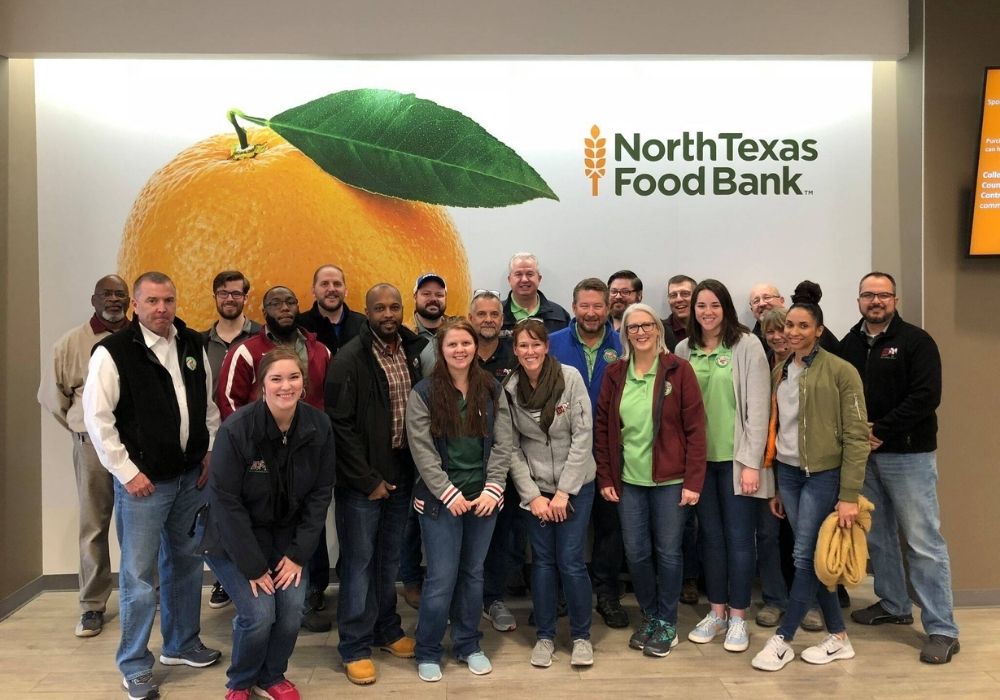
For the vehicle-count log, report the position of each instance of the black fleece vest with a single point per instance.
(147, 416)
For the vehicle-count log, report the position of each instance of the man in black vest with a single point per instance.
(149, 412)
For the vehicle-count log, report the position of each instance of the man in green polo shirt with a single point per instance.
(526, 300)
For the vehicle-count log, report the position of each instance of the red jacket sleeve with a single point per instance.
(693, 418)
(236, 381)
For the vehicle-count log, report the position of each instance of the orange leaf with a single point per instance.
(601, 162)
(600, 173)
(589, 143)
(601, 152)
(588, 162)
(594, 131)
(589, 152)
(601, 142)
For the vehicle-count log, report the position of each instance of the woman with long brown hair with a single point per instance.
(459, 432)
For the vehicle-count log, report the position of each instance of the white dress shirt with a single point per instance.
(101, 394)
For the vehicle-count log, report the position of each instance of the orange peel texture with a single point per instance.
(278, 216)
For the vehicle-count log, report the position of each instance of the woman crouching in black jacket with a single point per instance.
(271, 481)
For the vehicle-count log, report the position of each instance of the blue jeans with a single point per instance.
(903, 488)
(500, 557)
(653, 529)
(370, 533)
(808, 500)
(453, 588)
(772, 582)
(727, 523)
(264, 629)
(691, 547)
(557, 556)
(150, 529)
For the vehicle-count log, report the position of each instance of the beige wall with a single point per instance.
(961, 297)
(20, 473)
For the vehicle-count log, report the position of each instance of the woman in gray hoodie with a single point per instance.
(553, 468)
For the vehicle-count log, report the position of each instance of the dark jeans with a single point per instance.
(264, 629)
(808, 500)
(500, 558)
(772, 583)
(608, 554)
(319, 565)
(411, 552)
(453, 589)
(653, 529)
(727, 522)
(691, 546)
(370, 533)
(557, 552)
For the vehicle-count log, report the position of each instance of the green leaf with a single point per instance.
(400, 145)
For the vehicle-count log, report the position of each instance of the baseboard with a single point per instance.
(977, 598)
(22, 596)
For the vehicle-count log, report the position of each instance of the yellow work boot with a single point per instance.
(361, 672)
(402, 648)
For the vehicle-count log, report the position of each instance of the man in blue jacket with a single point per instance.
(590, 343)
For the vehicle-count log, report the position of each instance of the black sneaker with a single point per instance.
(662, 640)
(642, 634)
(141, 688)
(219, 598)
(689, 591)
(90, 625)
(315, 621)
(875, 614)
(938, 649)
(613, 613)
(316, 600)
(199, 656)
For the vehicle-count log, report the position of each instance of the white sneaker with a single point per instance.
(705, 631)
(830, 649)
(543, 652)
(737, 636)
(774, 656)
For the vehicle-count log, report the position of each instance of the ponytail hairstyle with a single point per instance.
(806, 296)
(446, 420)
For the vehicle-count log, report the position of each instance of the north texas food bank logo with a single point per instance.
(696, 163)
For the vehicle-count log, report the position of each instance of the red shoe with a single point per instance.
(282, 690)
(241, 694)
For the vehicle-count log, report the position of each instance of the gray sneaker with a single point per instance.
(141, 688)
(501, 617)
(813, 621)
(90, 625)
(583, 653)
(769, 616)
(199, 656)
(543, 652)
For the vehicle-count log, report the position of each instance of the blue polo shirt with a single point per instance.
(565, 346)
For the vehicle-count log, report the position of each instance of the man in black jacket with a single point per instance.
(901, 369)
(366, 392)
(526, 300)
(149, 412)
(335, 325)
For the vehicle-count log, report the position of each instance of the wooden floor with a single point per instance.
(40, 657)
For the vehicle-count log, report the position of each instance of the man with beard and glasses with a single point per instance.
(900, 367)
(237, 378)
(367, 389)
(679, 291)
(230, 288)
(329, 317)
(625, 288)
(590, 344)
(61, 393)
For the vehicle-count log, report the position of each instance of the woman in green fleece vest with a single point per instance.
(819, 442)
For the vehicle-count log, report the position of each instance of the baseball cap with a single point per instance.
(429, 277)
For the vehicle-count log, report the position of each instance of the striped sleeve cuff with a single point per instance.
(494, 491)
(450, 494)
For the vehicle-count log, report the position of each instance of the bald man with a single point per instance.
(61, 393)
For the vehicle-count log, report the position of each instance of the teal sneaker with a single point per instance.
(429, 672)
(663, 639)
(705, 631)
(477, 662)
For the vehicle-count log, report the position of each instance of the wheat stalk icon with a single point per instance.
(594, 158)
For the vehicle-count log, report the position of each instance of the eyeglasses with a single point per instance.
(881, 296)
(764, 299)
(634, 328)
(235, 296)
(278, 303)
(479, 293)
(681, 294)
(622, 292)
(113, 294)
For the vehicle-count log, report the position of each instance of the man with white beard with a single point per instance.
(61, 393)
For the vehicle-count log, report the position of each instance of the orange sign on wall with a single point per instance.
(985, 238)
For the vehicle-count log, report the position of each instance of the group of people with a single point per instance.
(440, 444)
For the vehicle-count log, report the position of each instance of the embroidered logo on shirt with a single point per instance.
(722, 360)
(668, 388)
(503, 372)
(562, 408)
(258, 467)
(610, 355)
(192, 364)
(889, 353)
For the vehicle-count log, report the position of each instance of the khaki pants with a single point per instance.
(95, 488)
